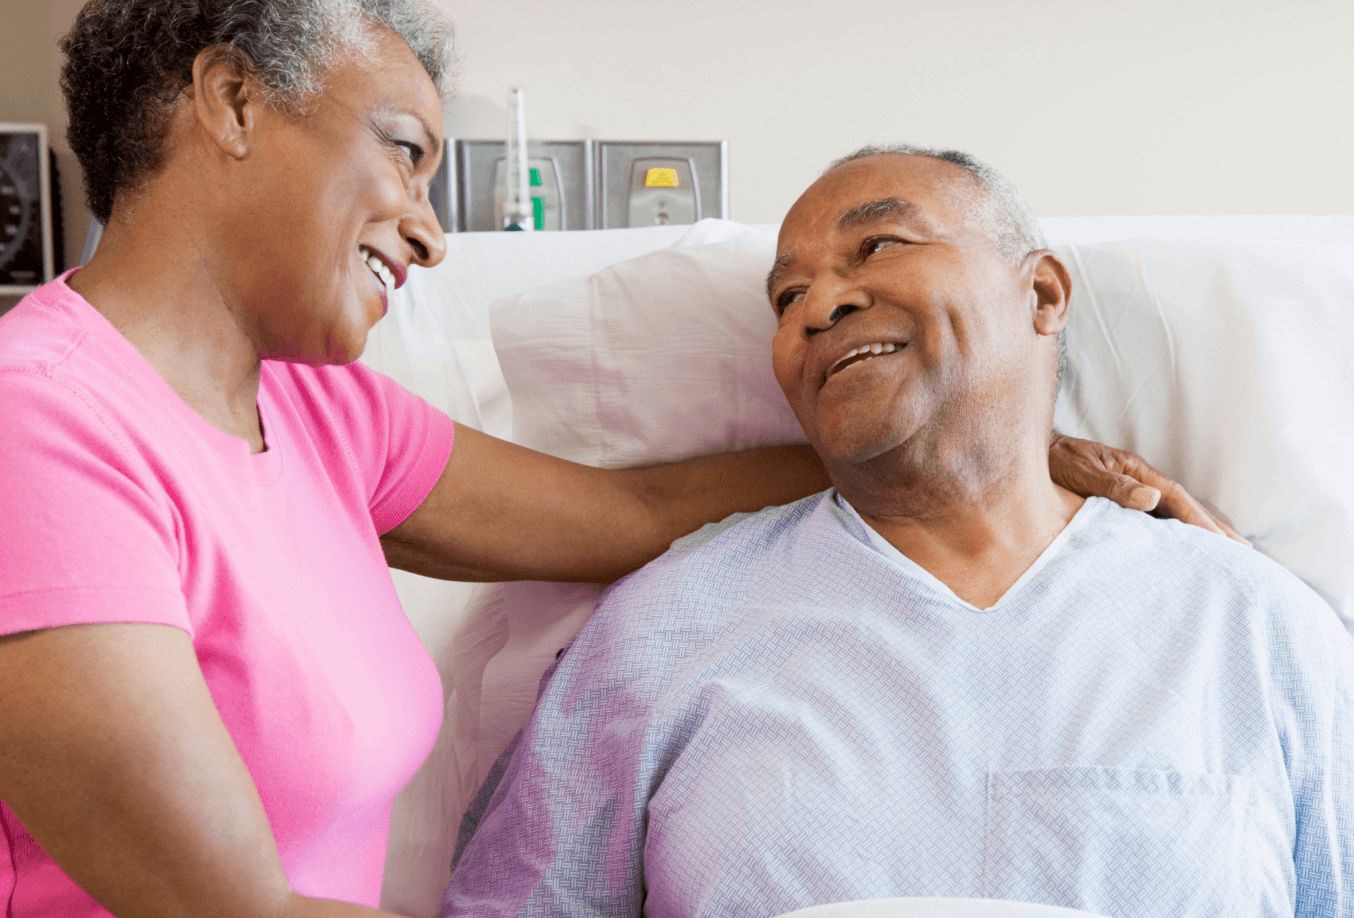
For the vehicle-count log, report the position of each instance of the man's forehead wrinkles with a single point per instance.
(870, 211)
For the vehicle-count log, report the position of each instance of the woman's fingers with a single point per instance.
(1176, 502)
(1093, 469)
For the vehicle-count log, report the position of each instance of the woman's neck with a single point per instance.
(151, 282)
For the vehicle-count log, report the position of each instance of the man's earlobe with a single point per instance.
(1052, 287)
(224, 95)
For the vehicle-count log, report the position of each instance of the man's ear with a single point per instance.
(1052, 288)
(226, 97)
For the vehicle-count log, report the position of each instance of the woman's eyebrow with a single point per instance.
(432, 143)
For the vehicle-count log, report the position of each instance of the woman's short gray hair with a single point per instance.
(127, 62)
(1009, 221)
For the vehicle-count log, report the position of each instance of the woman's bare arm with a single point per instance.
(114, 758)
(504, 512)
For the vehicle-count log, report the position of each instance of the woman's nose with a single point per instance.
(422, 230)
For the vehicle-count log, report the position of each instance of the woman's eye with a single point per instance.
(414, 151)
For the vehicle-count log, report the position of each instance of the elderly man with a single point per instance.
(946, 676)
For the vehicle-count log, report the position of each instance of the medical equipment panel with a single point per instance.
(583, 184)
(559, 178)
(654, 183)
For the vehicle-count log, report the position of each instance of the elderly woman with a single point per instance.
(209, 696)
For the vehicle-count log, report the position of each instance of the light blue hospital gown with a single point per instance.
(1152, 722)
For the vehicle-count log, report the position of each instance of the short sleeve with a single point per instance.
(397, 442)
(87, 536)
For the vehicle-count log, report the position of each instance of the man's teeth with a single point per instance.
(871, 349)
(381, 270)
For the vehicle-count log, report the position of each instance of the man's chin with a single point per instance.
(850, 448)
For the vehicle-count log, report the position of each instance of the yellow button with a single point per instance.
(661, 178)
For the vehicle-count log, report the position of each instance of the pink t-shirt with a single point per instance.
(119, 504)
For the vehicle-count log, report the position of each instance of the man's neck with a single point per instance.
(976, 533)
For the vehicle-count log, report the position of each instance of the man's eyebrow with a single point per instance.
(870, 211)
(861, 214)
(777, 269)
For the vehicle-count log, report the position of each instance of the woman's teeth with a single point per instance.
(381, 270)
(868, 349)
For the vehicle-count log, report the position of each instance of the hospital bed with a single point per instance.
(1219, 348)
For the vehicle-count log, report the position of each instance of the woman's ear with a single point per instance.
(1052, 288)
(226, 97)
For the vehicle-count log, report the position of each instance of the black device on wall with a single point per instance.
(30, 213)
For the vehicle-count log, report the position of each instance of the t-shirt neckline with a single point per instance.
(265, 467)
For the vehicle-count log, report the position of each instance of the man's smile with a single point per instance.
(864, 352)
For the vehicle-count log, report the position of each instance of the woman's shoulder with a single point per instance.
(53, 371)
(43, 330)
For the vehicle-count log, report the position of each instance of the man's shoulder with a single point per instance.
(713, 568)
(1193, 562)
(764, 528)
(738, 543)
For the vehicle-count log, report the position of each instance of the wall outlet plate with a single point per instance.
(626, 199)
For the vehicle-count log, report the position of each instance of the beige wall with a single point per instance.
(1091, 106)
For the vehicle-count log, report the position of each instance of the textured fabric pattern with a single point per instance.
(775, 715)
(120, 504)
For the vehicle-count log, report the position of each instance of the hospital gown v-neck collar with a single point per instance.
(917, 572)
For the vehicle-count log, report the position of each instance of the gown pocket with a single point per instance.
(1119, 842)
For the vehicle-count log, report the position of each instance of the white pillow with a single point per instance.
(1228, 365)
(657, 358)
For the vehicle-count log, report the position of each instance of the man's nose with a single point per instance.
(830, 300)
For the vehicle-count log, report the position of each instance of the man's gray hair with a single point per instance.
(1002, 209)
(127, 62)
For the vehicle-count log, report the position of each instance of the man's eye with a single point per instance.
(787, 299)
(875, 243)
